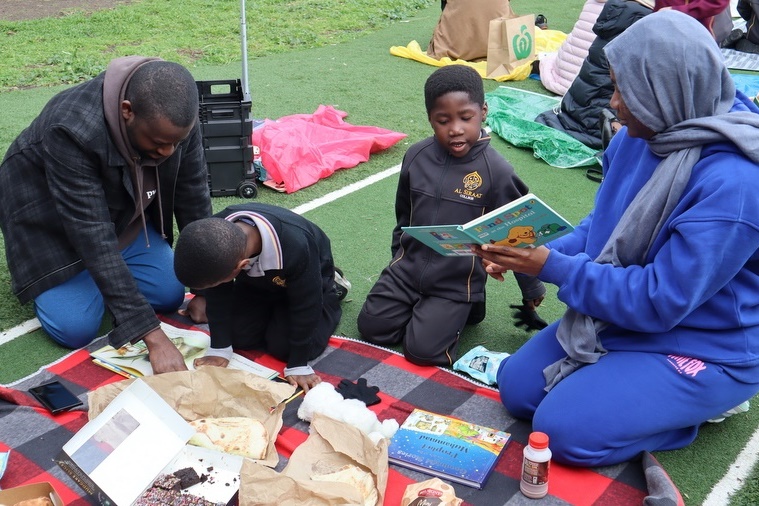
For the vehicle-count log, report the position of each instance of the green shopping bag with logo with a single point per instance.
(511, 43)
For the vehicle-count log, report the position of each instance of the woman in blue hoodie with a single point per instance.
(661, 331)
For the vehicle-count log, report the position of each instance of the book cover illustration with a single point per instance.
(527, 222)
(447, 447)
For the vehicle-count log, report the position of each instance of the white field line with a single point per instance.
(736, 476)
(728, 485)
(19, 330)
(34, 324)
(331, 197)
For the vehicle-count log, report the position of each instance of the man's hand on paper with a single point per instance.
(163, 354)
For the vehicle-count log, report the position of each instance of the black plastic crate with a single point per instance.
(229, 154)
(227, 90)
(224, 179)
(226, 127)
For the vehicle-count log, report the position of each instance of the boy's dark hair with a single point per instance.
(453, 78)
(207, 251)
(162, 89)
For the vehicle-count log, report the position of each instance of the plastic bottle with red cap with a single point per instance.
(535, 466)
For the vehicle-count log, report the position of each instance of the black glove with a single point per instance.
(358, 390)
(527, 317)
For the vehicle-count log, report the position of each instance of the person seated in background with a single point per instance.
(713, 14)
(581, 112)
(661, 332)
(462, 30)
(746, 41)
(559, 69)
(266, 280)
(89, 193)
(423, 299)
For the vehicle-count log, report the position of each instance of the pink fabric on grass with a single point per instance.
(300, 149)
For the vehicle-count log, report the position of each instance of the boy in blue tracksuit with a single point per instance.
(423, 299)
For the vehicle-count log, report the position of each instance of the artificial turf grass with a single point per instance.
(282, 85)
(352, 77)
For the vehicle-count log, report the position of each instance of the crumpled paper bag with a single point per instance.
(330, 445)
(212, 392)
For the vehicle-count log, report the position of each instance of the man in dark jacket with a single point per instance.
(268, 282)
(88, 196)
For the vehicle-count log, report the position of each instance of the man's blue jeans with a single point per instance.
(72, 312)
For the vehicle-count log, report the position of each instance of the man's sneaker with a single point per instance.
(342, 285)
(740, 408)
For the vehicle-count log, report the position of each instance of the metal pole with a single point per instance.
(244, 44)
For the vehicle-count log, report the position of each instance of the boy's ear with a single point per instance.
(242, 264)
(484, 110)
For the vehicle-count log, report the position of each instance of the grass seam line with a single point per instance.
(19, 330)
(342, 192)
(736, 476)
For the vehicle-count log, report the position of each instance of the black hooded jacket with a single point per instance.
(591, 90)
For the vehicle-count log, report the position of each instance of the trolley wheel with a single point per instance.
(247, 190)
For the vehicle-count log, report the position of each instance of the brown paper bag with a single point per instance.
(212, 392)
(460, 32)
(330, 446)
(511, 43)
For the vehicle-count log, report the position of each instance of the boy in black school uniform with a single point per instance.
(267, 280)
(423, 299)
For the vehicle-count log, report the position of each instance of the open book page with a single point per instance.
(131, 361)
(114, 444)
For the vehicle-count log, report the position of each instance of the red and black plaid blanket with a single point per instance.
(35, 437)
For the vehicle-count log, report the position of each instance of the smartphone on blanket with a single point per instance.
(55, 397)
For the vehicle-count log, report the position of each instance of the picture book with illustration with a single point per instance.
(447, 447)
(131, 361)
(527, 222)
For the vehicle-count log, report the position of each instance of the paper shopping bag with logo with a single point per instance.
(511, 43)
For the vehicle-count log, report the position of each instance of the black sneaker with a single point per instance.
(541, 22)
(342, 285)
(732, 38)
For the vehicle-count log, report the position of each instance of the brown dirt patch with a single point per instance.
(17, 10)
